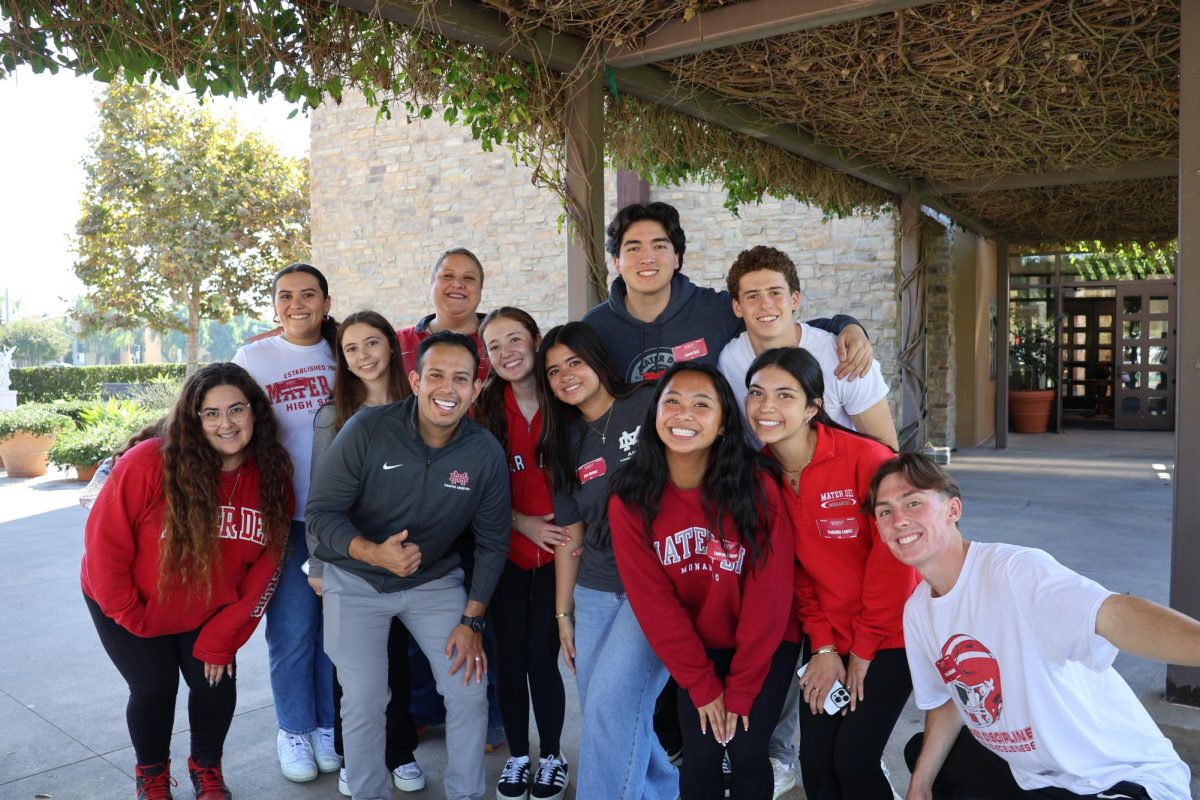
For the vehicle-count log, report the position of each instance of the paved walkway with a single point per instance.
(1096, 500)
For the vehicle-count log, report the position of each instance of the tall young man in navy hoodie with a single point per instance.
(655, 315)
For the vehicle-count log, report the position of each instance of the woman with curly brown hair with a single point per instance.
(180, 558)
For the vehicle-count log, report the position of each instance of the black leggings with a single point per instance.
(839, 755)
(151, 667)
(971, 770)
(400, 738)
(526, 639)
(700, 777)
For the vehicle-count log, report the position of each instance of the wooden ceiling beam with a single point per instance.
(1130, 171)
(748, 21)
(475, 24)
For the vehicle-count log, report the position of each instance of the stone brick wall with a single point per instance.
(940, 370)
(388, 197)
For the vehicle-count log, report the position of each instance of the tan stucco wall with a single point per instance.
(975, 291)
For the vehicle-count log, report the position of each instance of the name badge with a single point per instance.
(592, 469)
(838, 528)
(690, 350)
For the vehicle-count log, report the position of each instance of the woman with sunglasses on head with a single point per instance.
(180, 550)
(296, 369)
(369, 373)
(590, 429)
(850, 590)
(522, 607)
(704, 547)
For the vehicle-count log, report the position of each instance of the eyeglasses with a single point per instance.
(236, 414)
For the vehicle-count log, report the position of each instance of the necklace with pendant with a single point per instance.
(608, 418)
(236, 480)
(793, 475)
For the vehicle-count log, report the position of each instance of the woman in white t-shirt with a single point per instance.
(296, 369)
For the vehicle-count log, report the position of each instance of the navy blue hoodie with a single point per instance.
(694, 326)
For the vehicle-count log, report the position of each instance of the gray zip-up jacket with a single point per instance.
(379, 478)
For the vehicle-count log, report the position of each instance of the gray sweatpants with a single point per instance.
(357, 619)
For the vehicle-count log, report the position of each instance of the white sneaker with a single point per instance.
(326, 757)
(785, 777)
(296, 759)
(343, 787)
(409, 777)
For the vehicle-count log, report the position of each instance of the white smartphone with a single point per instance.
(837, 699)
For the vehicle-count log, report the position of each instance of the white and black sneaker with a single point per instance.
(514, 779)
(550, 782)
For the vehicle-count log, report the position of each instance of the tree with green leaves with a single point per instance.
(182, 209)
(36, 341)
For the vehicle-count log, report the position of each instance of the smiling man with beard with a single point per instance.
(397, 487)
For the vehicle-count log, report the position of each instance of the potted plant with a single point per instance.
(26, 435)
(85, 448)
(1033, 362)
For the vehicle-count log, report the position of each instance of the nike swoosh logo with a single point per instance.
(391, 466)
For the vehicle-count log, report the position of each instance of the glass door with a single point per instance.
(1145, 373)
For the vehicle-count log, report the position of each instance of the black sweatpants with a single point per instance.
(972, 771)
(839, 755)
(151, 667)
(400, 739)
(526, 638)
(700, 777)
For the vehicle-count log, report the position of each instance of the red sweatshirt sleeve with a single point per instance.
(886, 582)
(666, 624)
(766, 605)
(110, 538)
(228, 629)
(808, 608)
(886, 586)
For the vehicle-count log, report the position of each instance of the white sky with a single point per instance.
(45, 122)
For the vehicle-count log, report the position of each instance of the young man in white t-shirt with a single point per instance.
(766, 296)
(1011, 657)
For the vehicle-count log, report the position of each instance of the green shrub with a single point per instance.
(38, 419)
(113, 411)
(86, 446)
(43, 384)
(160, 393)
(71, 408)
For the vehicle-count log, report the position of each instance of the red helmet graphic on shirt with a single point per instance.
(975, 674)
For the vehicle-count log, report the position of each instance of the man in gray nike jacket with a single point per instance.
(396, 488)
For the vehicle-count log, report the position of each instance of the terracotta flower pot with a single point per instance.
(25, 454)
(1030, 411)
(85, 472)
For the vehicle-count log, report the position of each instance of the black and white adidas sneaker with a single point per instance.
(514, 779)
(550, 781)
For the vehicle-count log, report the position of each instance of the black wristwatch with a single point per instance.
(476, 624)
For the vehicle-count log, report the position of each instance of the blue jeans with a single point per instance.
(619, 679)
(301, 673)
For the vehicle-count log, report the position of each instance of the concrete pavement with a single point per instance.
(1096, 500)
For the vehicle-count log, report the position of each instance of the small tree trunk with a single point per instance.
(193, 331)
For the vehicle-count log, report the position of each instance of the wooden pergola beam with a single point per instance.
(746, 22)
(1130, 171)
(475, 24)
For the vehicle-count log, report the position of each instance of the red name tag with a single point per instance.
(838, 528)
(690, 350)
(593, 469)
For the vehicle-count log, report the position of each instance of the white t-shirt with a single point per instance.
(842, 397)
(1014, 645)
(298, 380)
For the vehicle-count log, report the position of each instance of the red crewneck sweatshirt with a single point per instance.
(690, 594)
(121, 550)
(526, 480)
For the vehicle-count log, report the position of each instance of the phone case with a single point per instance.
(837, 699)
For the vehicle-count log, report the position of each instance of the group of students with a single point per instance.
(654, 492)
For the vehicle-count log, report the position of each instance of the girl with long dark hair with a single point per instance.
(850, 590)
(296, 369)
(704, 550)
(180, 550)
(590, 430)
(522, 607)
(369, 373)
